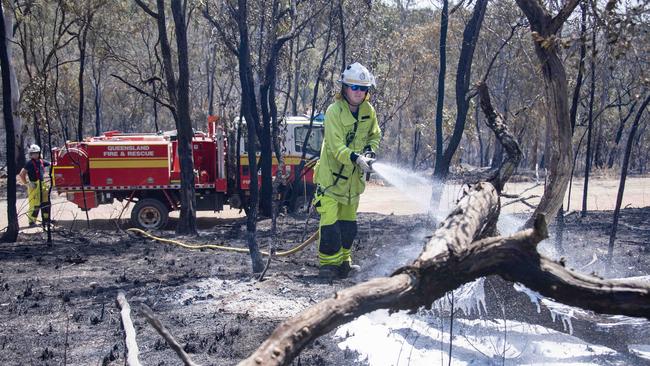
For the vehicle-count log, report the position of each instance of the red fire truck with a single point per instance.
(144, 168)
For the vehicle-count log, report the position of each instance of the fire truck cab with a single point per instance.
(144, 168)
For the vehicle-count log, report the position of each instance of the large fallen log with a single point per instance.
(454, 256)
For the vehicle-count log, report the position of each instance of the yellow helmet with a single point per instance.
(357, 74)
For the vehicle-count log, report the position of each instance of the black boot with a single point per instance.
(328, 272)
(347, 267)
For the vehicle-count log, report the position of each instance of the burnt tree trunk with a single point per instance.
(440, 100)
(624, 167)
(187, 219)
(15, 95)
(558, 161)
(178, 93)
(619, 131)
(97, 79)
(81, 42)
(12, 215)
(590, 126)
(463, 75)
(575, 100)
(250, 113)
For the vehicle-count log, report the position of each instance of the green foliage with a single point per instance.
(398, 44)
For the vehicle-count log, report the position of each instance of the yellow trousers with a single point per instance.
(337, 228)
(38, 200)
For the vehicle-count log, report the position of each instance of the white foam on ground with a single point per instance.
(641, 350)
(402, 339)
(470, 298)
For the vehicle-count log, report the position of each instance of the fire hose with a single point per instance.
(285, 253)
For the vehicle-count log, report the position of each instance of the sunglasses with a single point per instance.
(357, 87)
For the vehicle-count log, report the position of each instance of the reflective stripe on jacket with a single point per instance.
(336, 175)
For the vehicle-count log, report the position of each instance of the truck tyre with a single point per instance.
(149, 214)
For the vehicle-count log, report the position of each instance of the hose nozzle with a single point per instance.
(373, 157)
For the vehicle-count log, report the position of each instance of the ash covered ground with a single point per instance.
(57, 303)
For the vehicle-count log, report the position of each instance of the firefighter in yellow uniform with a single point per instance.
(352, 136)
(32, 175)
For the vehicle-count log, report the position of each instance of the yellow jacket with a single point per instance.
(336, 175)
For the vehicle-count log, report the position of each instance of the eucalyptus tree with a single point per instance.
(11, 234)
(177, 87)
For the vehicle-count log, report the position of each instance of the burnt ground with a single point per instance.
(57, 303)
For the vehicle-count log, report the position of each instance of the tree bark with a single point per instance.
(15, 95)
(575, 101)
(249, 110)
(81, 41)
(624, 167)
(590, 126)
(187, 219)
(558, 160)
(12, 215)
(463, 75)
(440, 101)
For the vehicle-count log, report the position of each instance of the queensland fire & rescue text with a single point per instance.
(128, 151)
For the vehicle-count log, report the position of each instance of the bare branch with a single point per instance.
(160, 328)
(513, 29)
(144, 92)
(146, 8)
(523, 200)
(562, 15)
(495, 122)
(129, 331)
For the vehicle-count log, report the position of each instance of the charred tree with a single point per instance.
(575, 100)
(590, 125)
(463, 75)
(624, 168)
(573, 115)
(250, 113)
(82, 40)
(187, 219)
(15, 93)
(442, 71)
(619, 131)
(178, 94)
(12, 215)
(544, 28)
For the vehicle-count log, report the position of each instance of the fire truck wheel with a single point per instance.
(149, 214)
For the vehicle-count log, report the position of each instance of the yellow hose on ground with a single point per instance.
(285, 253)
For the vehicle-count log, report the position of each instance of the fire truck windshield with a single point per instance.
(315, 139)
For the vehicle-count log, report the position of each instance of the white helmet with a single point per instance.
(34, 149)
(357, 74)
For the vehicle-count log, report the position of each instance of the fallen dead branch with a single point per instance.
(129, 332)
(160, 328)
(523, 200)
